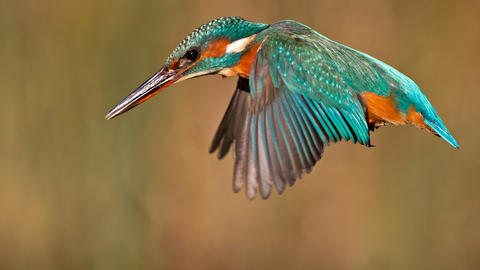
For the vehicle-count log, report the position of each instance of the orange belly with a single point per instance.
(382, 111)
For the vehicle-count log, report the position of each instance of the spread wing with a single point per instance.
(297, 101)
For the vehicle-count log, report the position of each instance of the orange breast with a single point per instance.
(216, 48)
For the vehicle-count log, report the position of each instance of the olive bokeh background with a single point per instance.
(141, 192)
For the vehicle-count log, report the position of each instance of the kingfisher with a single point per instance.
(297, 92)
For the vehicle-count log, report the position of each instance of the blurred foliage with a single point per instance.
(141, 192)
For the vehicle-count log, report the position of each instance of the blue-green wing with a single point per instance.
(361, 72)
(305, 92)
(298, 103)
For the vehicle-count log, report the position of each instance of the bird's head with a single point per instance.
(223, 46)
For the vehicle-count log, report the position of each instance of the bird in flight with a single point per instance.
(297, 92)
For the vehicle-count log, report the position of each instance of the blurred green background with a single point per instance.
(141, 191)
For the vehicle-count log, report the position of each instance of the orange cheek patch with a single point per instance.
(245, 64)
(216, 48)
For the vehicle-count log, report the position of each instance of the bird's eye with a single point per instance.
(191, 54)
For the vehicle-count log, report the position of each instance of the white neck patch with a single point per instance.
(239, 45)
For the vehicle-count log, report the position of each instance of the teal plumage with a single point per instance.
(233, 27)
(356, 72)
(297, 92)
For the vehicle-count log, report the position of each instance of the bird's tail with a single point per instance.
(440, 130)
(406, 104)
(425, 108)
(384, 111)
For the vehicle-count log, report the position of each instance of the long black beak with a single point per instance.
(161, 80)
